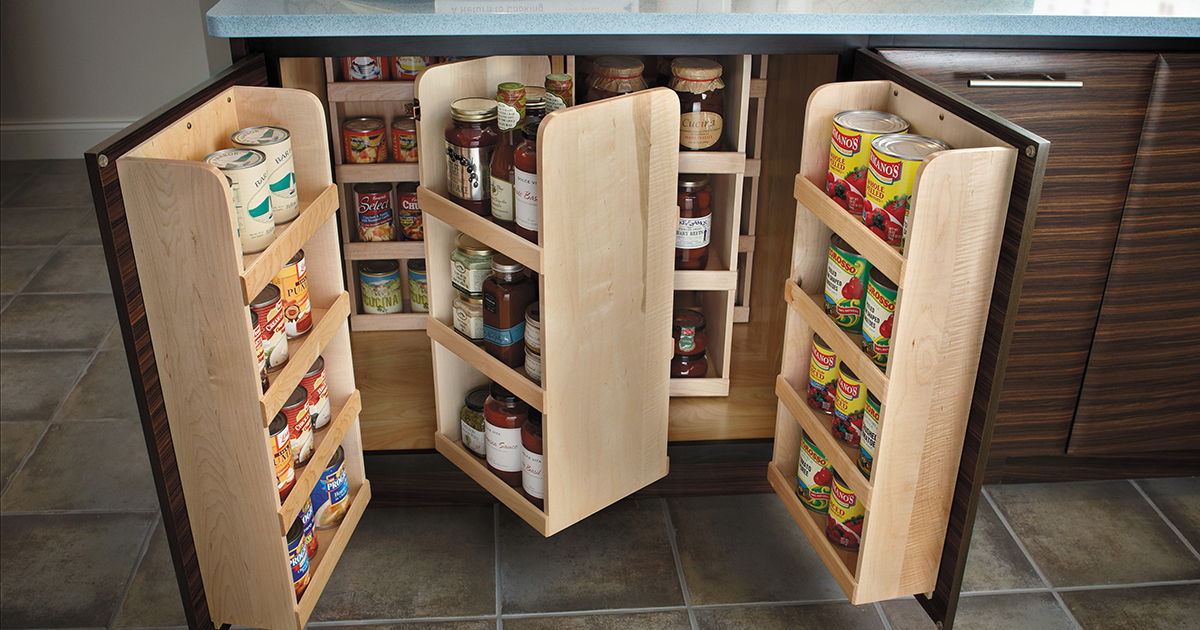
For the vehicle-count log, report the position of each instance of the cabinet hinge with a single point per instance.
(416, 109)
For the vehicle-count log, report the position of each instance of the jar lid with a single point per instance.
(363, 124)
(907, 146)
(871, 121)
(618, 67)
(268, 295)
(471, 299)
(278, 424)
(473, 109)
(471, 246)
(417, 264)
(534, 417)
(265, 135)
(299, 397)
(687, 318)
(373, 188)
(533, 314)
(406, 187)
(503, 395)
(379, 267)
(691, 357)
(559, 78)
(695, 75)
(692, 180)
(235, 159)
(317, 366)
(504, 264)
(476, 398)
(530, 131)
(407, 124)
(535, 97)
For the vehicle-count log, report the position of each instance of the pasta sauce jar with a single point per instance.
(614, 76)
(470, 140)
(694, 232)
(506, 295)
(503, 416)
(533, 477)
(702, 102)
(525, 184)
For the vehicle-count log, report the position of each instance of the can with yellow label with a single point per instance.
(844, 526)
(891, 173)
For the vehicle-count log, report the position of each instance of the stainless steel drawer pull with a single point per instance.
(1048, 82)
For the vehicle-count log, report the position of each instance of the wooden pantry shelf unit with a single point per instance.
(946, 276)
(606, 299)
(196, 285)
(749, 220)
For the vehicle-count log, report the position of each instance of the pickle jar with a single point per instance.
(470, 140)
(614, 76)
(701, 93)
(694, 232)
(471, 419)
(470, 265)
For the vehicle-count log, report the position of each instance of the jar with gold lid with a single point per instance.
(470, 140)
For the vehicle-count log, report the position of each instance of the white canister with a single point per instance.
(245, 171)
(276, 145)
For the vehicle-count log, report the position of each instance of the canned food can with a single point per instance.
(848, 407)
(418, 286)
(404, 139)
(363, 141)
(318, 394)
(813, 477)
(293, 290)
(870, 436)
(891, 173)
(879, 308)
(533, 365)
(849, 152)
(408, 215)
(844, 526)
(407, 68)
(258, 350)
(380, 284)
(281, 449)
(310, 527)
(374, 204)
(276, 145)
(845, 283)
(533, 327)
(245, 172)
(822, 376)
(471, 419)
(364, 68)
(269, 307)
(300, 425)
(298, 557)
(330, 497)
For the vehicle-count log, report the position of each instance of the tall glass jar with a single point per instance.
(503, 416)
(526, 188)
(702, 102)
(695, 221)
(470, 265)
(510, 109)
(533, 473)
(506, 295)
(535, 105)
(614, 76)
(470, 140)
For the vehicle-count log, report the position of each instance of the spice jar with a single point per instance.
(468, 317)
(533, 478)
(535, 105)
(560, 92)
(525, 186)
(533, 365)
(471, 419)
(694, 232)
(702, 102)
(614, 76)
(689, 365)
(510, 112)
(470, 140)
(506, 295)
(503, 415)
(688, 330)
(470, 265)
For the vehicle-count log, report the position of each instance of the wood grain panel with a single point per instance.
(1139, 391)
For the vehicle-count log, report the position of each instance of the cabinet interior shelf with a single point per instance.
(508, 378)
(385, 250)
(302, 353)
(356, 91)
(260, 268)
(378, 172)
(478, 470)
(331, 543)
(842, 564)
(886, 258)
(712, 162)
(368, 322)
(327, 439)
(819, 427)
(843, 343)
(480, 229)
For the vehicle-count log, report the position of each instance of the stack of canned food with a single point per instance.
(281, 311)
(363, 140)
(823, 491)
(504, 430)
(381, 289)
(860, 299)
(380, 212)
(388, 68)
(262, 179)
(835, 390)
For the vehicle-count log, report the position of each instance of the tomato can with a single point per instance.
(891, 173)
(300, 425)
(418, 286)
(870, 436)
(310, 527)
(379, 281)
(281, 449)
(331, 495)
(407, 68)
(408, 215)
(813, 477)
(293, 290)
(374, 204)
(844, 526)
(258, 350)
(269, 307)
(848, 406)
(849, 152)
(245, 171)
(318, 394)
(404, 139)
(879, 307)
(365, 68)
(363, 141)
(845, 283)
(298, 557)
(822, 376)
(276, 145)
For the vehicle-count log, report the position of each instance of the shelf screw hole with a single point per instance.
(228, 99)
(102, 160)
(1031, 150)
(895, 92)
(189, 125)
(941, 117)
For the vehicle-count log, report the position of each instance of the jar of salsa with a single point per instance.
(702, 102)
(560, 91)
(525, 187)
(614, 76)
(510, 110)
(688, 330)
(533, 478)
(470, 140)
(506, 295)
(689, 365)
(694, 232)
(503, 416)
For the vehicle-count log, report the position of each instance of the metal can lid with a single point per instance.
(405, 124)
(317, 366)
(535, 97)
(363, 124)
(870, 121)
(533, 315)
(878, 278)
(471, 246)
(406, 187)
(476, 398)
(261, 136)
(278, 424)
(339, 456)
(253, 317)
(470, 299)
(295, 532)
(692, 180)
(504, 264)
(872, 399)
(687, 318)
(373, 188)
(235, 159)
(821, 343)
(846, 371)
(417, 265)
(295, 259)
(378, 268)
(907, 146)
(473, 109)
(299, 397)
(836, 242)
(269, 295)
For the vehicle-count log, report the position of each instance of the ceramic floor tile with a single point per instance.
(1094, 533)
(1179, 500)
(87, 233)
(5, 298)
(1174, 607)
(17, 264)
(831, 616)
(59, 184)
(66, 570)
(46, 322)
(670, 620)
(105, 391)
(34, 384)
(33, 227)
(995, 562)
(619, 557)
(73, 270)
(471, 624)
(153, 599)
(15, 440)
(1020, 611)
(415, 562)
(13, 173)
(114, 341)
(99, 465)
(747, 548)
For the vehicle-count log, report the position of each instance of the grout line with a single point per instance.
(372, 622)
(1074, 622)
(22, 184)
(687, 595)
(1105, 587)
(33, 350)
(70, 512)
(112, 620)
(1165, 519)
(882, 617)
(595, 613)
(1020, 545)
(496, 553)
(39, 268)
(794, 602)
(28, 453)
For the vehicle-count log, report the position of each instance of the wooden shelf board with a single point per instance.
(385, 250)
(745, 243)
(510, 378)
(330, 545)
(480, 229)
(699, 387)
(712, 162)
(841, 564)
(381, 172)
(819, 426)
(327, 441)
(706, 280)
(845, 344)
(346, 91)
(260, 268)
(741, 314)
(886, 258)
(302, 352)
(367, 322)
(477, 469)
(758, 88)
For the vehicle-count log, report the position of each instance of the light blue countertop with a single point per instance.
(368, 18)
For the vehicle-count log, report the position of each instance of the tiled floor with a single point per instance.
(82, 545)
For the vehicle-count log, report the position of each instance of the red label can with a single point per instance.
(293, 291)
(281, 440)
(822, 376)
(408, 215)
(407, 68)
(844, 526)
(849, 148)
(365, 68)
(299, 425)
(318, 395)
(404, 139)
(891, 175)
(374, 204)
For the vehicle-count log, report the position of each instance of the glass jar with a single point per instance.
(689, 365)
(533, 478)
(510, 109)
(470, 140)
(533, 365)
(470, 265)
(694, 232)
(535, 105)
(506, 295)
(468, 317)
(614, 76)
(525, 188)
(533, 327)
(503, 416)
(702, 102)
(560, 92)
(471, 419)
(418, 286)
(688, 331)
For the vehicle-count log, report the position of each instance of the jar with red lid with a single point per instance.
(614, 76)
(525, 184)
(701, 93)
(689, 365)
(694, 232)
(533, 477)
(504, 414)
(688, 330)
(470, 140)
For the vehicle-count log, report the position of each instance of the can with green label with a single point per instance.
(845, 284)
(870, 436)
(879, 306)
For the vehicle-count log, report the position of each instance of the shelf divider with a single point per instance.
(378, 172)
(844, 344)
(302, 353)
(477, 470)
(887, 258)
(712, 162)
(842, 456)
(260, 268)
(509, 378)
(480, 229)
(700, 387)
(327, 441)
(385, 250)
(368, 322)
(351, 91)
(331, 544)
